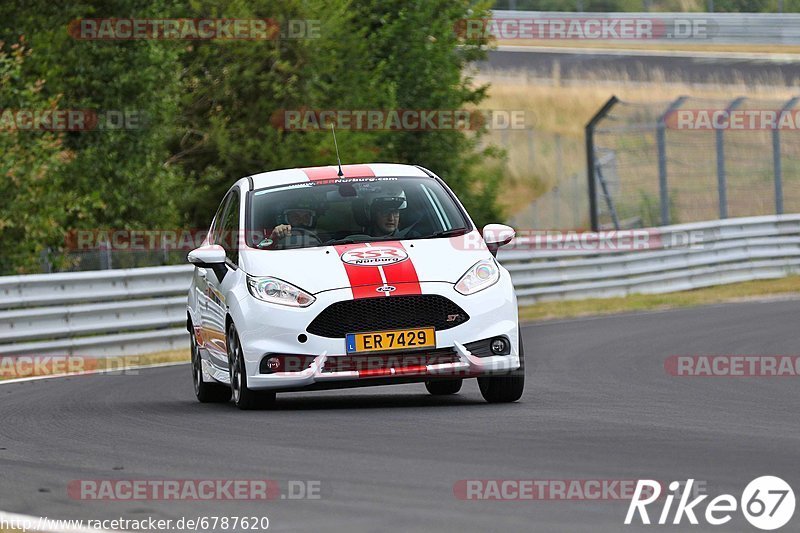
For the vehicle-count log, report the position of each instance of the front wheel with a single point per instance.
(244, 397)
(505, 389)
(206, 392)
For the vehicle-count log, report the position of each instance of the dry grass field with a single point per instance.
(555, 151)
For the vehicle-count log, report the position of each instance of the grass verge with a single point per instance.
(34, 365)
(748, 290)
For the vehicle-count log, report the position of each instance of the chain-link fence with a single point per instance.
(545, 178)
(693, 159)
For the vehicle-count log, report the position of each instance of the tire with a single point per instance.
(206, 392)
(505, 389)
(244, 397)
(444, 387)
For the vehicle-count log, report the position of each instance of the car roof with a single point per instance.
(297, 175)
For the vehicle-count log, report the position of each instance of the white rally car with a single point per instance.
(334, 277)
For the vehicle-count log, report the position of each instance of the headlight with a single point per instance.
(277, 291)
(481, 275)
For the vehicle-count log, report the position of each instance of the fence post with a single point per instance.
(102, 247)
(722, 186)
(609, 201)
(776, 158)
(590, 163)
(661, 141)
(44, 261)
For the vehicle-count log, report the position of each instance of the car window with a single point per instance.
(228, 234)
(353, 210)
(217, 220)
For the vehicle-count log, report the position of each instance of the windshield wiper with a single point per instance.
(446, 233)
(340, 241)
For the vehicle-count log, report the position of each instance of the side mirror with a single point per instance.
(211, 256)
(497, 235)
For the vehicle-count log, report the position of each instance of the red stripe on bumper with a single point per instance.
(382, 372)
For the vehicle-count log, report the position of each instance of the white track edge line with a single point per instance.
(91, 372)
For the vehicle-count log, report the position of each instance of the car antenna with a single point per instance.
(340, 173)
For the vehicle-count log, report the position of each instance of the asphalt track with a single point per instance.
(598, 405)
(646, 67)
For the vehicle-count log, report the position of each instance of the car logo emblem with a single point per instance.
(386, 288)
(453, 318)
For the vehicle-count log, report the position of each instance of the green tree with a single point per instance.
(115, 177)
(368, 55)
(206, 108)
(30, 159)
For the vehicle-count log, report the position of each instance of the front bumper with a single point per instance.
(264, 330)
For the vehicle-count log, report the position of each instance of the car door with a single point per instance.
(226, 234)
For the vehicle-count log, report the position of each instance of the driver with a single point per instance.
(384, 212)
(301, 215)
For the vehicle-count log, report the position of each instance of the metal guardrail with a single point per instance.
(105, 312)
(724, 251)
(123, 312)
(718, 28)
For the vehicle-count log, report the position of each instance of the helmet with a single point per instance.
(303, 212)
(390, 196)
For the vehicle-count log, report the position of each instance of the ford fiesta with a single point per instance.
(334, 277)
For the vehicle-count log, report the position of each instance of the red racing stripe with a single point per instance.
(402, 275)
(364, 280)
(331, 172)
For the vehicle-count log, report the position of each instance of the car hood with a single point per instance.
(368, 266)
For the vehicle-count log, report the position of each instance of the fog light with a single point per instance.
(273, 363)
(499, 346)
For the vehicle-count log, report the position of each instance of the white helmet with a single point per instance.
(389, 196)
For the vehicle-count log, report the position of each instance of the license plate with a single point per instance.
(398, 339)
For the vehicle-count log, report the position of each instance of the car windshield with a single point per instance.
(349, 211)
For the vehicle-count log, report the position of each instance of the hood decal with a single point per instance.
(374, 256)
(371, 269)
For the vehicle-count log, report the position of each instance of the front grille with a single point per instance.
(350, 363)
(390, 312)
